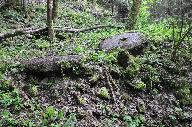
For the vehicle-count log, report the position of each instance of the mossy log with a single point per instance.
(69, 64)
(48, 64)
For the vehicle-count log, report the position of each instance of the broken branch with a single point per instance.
(19, 32)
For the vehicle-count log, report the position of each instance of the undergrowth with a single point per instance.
(154, 71)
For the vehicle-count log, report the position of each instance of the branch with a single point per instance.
(73, 30)
(106, 75)
(19, 32)
(186, 33)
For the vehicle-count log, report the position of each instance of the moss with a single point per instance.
(81, 87)
(94, 79)
(183, 91)
(66, 64)
(141, 106)
(184, 95)
(41, 44)
(126, 97)
(139, 85)
(103, 93)
(77, 68)
(34, 90)
(86, 69)
(134, 67)
(82, 100)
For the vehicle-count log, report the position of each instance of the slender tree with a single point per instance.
(112, 6)
(134, 14)
(24, 5)
(50, 19)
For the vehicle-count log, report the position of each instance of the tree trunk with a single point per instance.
(134, 14)
(94, 5)
(50, 19)
(24, 7)
(112, 6)
(55, 9)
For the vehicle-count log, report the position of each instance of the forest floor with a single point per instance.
(97, 89)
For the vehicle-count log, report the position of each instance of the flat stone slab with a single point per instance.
(123, 41)
(49, 63)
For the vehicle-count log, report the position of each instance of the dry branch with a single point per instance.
(19, 32)
(106, 74)
(73, 30)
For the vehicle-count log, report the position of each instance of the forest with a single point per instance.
(95, 63)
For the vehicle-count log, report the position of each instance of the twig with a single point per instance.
(109, 84)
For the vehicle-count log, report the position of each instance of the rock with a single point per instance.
(128, 41)
(48, 64)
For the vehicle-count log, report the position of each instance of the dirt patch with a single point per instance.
(79, 95)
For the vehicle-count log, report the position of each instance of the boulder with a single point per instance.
(132, 41)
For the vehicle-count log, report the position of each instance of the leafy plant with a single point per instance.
(103, 93)
(134, 67)
(139, 85)
(82, 100)
(70, 121)
(41, 43)
(11, 99)
(156, 30)
(134, 122)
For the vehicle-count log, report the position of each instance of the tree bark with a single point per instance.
(134, 14)
(55, 9)
(24, 5)
(50, 20)
(24, 8)
(112, 7)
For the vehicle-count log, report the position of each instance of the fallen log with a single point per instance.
(43, 31)
(47, 64)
